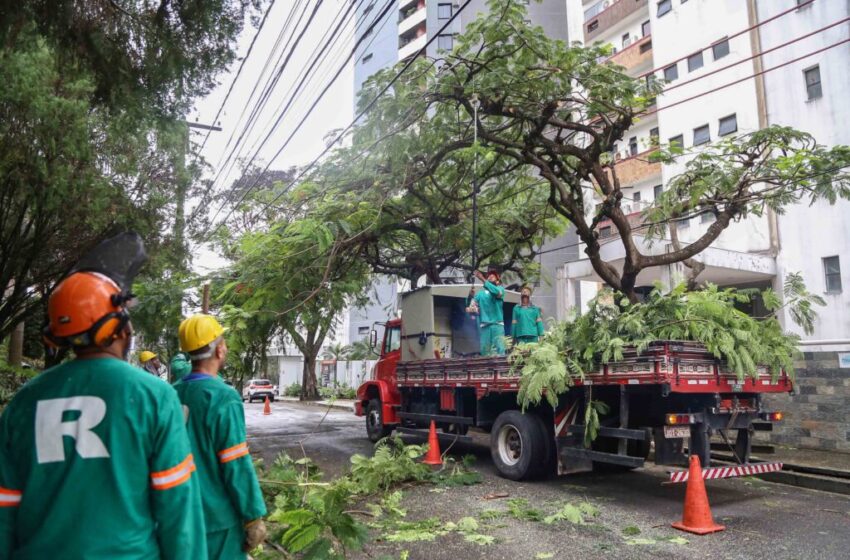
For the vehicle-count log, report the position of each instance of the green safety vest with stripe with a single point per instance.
(230, 491)
(95, 462)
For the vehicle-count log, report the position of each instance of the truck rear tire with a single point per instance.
(518, 445)
(375, 428)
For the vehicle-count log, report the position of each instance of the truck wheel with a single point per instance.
(517, 445)
(375, 428)
(546, 466)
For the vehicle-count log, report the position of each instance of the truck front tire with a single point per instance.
(375, 428)
(518, 445)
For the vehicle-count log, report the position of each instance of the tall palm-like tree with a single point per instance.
(336, 352)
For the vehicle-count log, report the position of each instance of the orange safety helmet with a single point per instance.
(86, 309)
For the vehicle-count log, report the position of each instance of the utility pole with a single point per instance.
(475, 104)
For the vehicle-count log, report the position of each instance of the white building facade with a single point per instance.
(708, 52)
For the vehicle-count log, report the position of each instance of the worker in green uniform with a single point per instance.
(233, 502)
(180, 367)
(527, 320)
(95, 461)
(487, 304)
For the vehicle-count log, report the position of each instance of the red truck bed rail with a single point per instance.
(685, 367)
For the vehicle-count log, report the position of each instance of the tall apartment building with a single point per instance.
(685, 40)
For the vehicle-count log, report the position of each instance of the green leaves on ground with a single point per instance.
(316, 518)
(575, 514)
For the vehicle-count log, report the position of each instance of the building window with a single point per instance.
(366, 58)
(813, 86)
(605, 232)
(707, 217)
(362, 330)
(368, 8)
(832, 275)
(803, 4)
(656, 191)
(625, 40)
(636, 197)
(645, 29)
(671, 72)
(445, 42)
(683, 223)
(593, 25)
(664, 7)
(653, 136)
(677, 141)
(728, 125)
(444, 11)
(646, 47)
(701, 135)
(633, 147)
(720, 49)
(695, 61)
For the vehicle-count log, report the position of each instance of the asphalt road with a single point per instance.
(763, 520)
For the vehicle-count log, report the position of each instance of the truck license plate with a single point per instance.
(677, 432)
(737, 387)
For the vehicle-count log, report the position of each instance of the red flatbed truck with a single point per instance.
(671, 392)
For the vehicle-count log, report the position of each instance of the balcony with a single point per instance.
(415, 17)
(637, 168)
(616, 11)
(637, 55)
(411, 47)
(404, 4)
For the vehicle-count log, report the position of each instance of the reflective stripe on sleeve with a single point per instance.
(9, 497)
(169, 478)
(231, 453)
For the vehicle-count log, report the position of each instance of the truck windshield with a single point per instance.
(393, 339)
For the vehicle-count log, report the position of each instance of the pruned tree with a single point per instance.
(552, 111)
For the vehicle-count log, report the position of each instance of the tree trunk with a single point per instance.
(16, 345)
(309, 385)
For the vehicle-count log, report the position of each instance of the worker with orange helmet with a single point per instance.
(233, 502)
(95, 461)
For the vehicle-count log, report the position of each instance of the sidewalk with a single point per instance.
(341, 404)
(834, 460)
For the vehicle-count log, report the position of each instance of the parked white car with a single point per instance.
(259, 389)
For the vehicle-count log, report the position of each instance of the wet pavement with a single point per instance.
(763, 520)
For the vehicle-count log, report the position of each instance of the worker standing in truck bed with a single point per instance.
(488, 305)
(527, 320)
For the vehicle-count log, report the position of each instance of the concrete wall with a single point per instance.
(380, 49)
(817, 416)
(382, 305)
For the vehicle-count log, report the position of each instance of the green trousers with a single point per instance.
(492, 339)
(526, 339)
(226, 544)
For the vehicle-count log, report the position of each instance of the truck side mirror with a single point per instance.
(373, 339)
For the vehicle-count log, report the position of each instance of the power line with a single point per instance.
(796, 7)
(239, 70)
(347, 128)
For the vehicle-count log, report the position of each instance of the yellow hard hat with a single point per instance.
(146, 356)
(198, 331)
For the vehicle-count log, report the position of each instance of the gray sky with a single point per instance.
(334, 111)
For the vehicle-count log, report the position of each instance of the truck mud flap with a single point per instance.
(591, 456)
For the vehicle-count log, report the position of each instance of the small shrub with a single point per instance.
(293, 390)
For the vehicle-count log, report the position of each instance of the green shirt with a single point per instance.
(95, 463)
(489, 302)
(527, 321)
(216, 420)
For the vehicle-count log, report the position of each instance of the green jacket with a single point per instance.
(216, 420)
(527, 321)
(180, 367)
(490, 301)
(95, 463)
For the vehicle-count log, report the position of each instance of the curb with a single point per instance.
(338, 405)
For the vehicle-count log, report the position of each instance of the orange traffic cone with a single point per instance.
(433, 455)
(697, 515)
(267, 409)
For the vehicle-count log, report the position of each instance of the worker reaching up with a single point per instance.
(95, 461)
(488, 305)
(233, 502)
